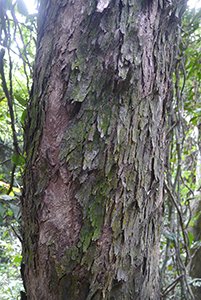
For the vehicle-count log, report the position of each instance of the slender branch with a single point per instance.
(5, 161)
(12, 179)
(15, 232)
(188, 257)
(188, 187)
(6, 146)
(181, 222)
(10, 104)
(170, 287)
(171, 129)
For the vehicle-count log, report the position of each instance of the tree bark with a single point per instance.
(195, 264)
(196, 252)
(95, 136)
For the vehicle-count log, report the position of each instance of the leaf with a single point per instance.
(22, 8)
(15, 210)
(17, 259)
(23, 117)
(2, 211)
(191, 238)
(9, 213)
(18, 160)
(194, 218)
(3, 101)
(170, 268)
(6, 197)
(5, 233)
(20, 99)
(193, 120)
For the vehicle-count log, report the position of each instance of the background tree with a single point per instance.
(94, 140)
(180, 239)
(17, 31)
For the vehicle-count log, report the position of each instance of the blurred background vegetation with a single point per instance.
(17, 52)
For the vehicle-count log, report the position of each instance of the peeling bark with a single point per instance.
(95, 135)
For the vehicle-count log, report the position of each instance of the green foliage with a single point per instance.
(10, 259)
(183, 146)
(195, 217)
(17, 159)
(17, 39)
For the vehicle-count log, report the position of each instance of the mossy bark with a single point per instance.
(95, 138)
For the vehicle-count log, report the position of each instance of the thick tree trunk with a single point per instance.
(93, 182)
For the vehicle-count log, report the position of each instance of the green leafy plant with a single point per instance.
(17, 52)
(181, 182)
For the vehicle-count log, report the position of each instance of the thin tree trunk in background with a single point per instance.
(196, 252)
(196, 228)
(95, 139)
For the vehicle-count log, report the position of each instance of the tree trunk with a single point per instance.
(196, 252)
(93, 182)
(196, 228)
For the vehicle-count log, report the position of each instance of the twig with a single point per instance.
(12, 179)
(170, 287)
(5, 161)
(17, 235)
